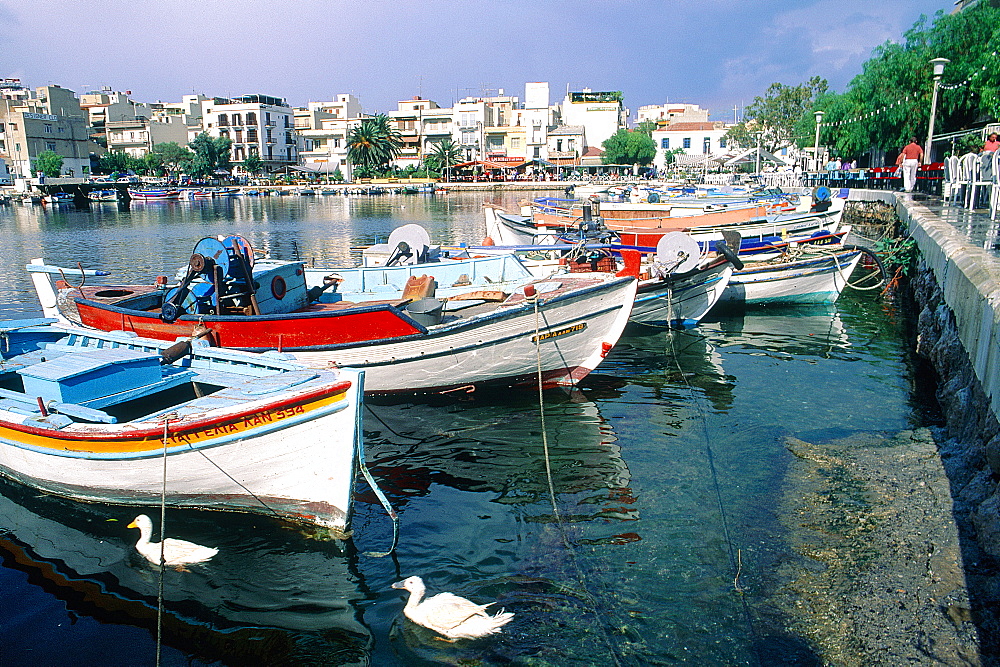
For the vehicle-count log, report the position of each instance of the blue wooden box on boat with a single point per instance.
(78, 378)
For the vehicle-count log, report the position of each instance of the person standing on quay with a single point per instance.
(912, 153)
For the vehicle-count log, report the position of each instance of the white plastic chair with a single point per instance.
(951, 184)
(973, 171)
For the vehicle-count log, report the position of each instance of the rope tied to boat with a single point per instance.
(163, 531)
(360, 446)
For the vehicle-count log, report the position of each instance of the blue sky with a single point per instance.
(716, 53)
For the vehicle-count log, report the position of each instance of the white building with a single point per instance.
(600, 113)
(665, 114)
(187, 111)
(138, 137)
(321, 130)
(700, 139)
(257, 125)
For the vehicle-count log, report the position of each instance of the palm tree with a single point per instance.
(373, 144)
(445, 155)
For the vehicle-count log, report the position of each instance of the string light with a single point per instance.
(953, 86)
(870, 114)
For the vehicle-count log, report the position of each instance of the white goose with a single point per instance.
(175, 552)
(450, 615)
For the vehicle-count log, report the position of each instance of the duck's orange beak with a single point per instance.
(132, 525)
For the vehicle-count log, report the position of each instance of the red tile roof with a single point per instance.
(690, 127)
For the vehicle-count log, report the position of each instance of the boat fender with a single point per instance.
(653, 198)
(278, 288)
(729, 254)
(488, 241)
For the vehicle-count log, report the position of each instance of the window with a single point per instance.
(223, 120)
(251, 118)
(515, 142)
(48, 129)
(61, 130)
(687, 142)
(468, 136)
(722, 142)
(50, 146)
(665, 142)
(237, 119)
(336, 142)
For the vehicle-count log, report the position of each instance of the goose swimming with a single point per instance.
(175, 552)
(448, 614)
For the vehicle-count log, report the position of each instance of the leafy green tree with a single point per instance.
(118, 161)
(646, 126)
(337, 175)
(372, 145)
(210, 154)
(151, 164)
(49, 163)
(174, 157)
(889, 101)
(445, 155)
(776, 115)
(253, 165)
(629, 147)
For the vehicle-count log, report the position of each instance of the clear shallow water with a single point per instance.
(667, 469)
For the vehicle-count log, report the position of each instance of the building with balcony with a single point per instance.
(409, 120)
(321, 130)
(49, 118)
(566, 144)
(600, 113)
(188, 111)
(138, 136)
(257, 125)
(106, 107)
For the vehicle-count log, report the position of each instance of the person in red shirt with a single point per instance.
(991, 144)
(912, 154)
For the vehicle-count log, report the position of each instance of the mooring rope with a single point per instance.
(533, 298)
(735, 554)
(163, 532)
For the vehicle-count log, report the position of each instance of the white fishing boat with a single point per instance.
(562, 326)
(111, 417)
(810, 277)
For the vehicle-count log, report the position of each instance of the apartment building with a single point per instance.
(48, 118)
(257, 125)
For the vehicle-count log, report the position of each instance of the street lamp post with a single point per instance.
(938, 64)
(819, 121)
(757, 167)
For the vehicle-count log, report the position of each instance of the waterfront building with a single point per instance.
(566, 145)
(257, 125)
(600, 113)
(138, 136)
(665, 114)
(187, 111)
(47, 119)
(321, 130)
(536, 117)
(701, 139)
(106, 107)
(409, 120)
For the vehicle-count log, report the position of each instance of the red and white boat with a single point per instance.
(561, 326)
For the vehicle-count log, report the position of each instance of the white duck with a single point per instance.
(175, 552)
(450, 615)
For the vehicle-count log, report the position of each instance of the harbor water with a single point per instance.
(670, 532)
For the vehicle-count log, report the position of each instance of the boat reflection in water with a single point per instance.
(499, 452)
(270, 596)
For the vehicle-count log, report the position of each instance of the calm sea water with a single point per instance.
(667, 467)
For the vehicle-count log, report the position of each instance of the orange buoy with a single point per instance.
(488, 241)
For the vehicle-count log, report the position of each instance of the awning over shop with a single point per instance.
(750, 156)
(486, 164)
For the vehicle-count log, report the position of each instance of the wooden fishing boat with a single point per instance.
(99, 416)
(563, 325)
(103, 195)
(153, 194)
(818, 276)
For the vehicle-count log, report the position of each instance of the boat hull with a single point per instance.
(813, 280)
(680, 301)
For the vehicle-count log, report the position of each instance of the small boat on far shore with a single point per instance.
(154, 194)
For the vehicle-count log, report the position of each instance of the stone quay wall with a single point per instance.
(956, 291)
